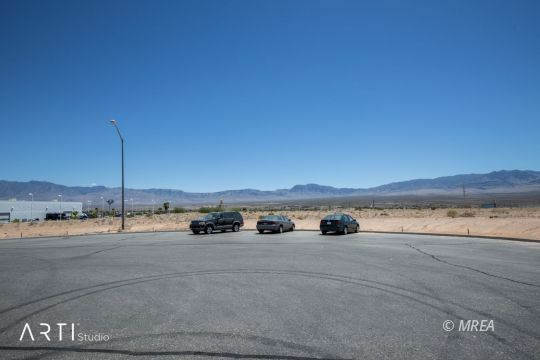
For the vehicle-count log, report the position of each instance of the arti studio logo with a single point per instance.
(59, 332)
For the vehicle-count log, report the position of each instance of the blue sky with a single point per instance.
(214, 95)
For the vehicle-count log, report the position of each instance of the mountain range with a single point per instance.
(504, 181)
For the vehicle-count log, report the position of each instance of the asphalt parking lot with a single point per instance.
(297, 295)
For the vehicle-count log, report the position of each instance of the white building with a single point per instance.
(26, 210)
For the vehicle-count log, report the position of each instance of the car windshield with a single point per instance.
(333, 217)
(209, 216)
(271, 217)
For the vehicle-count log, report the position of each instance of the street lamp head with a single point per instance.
(30, 194)
(113, 122)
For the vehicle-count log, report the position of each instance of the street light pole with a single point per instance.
(131, 207)
(60, 196)
(31, 207)
(113, 122)
(102, 206)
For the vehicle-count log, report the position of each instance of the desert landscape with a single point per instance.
(499, 222)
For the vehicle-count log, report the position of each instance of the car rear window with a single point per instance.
(271, 217)
(333, 217)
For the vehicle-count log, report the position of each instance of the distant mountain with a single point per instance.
(495, 182)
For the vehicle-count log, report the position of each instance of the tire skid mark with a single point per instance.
(266, 272)
(220, 335)
(343, 279)
(78, 257)
(162, 353)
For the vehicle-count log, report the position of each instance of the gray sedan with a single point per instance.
(275, 223)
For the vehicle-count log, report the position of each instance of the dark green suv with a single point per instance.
(228, 220)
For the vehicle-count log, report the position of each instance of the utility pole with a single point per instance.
(61, 213)
(31, 207)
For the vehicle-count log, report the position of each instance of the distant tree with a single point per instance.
(110, 202)
(178, 210)
(166, 205)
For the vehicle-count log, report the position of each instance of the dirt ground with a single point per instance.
(519, 223)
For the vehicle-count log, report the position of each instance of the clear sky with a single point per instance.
(215, 95)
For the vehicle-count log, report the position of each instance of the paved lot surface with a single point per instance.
(297, 295)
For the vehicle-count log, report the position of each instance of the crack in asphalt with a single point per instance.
(471, 268)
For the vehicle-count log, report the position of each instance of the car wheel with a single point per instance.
(357, 228)
(261, 231)
(236, 228)
(323, 232)
(345, 230)
(292, 228)
(280, 230)
(196, 232)
(208, 229)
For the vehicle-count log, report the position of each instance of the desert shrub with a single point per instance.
(383, 214)
(451, 213)
(467, 214)
(15, 221)
(208, 209)
(179, 210)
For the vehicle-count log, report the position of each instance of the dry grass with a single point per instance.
(521, 223)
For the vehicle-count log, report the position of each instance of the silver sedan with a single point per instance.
(275, 223)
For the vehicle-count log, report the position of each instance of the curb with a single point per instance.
(250, 229)
(452, 235)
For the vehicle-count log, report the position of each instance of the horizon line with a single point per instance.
(276, 189)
